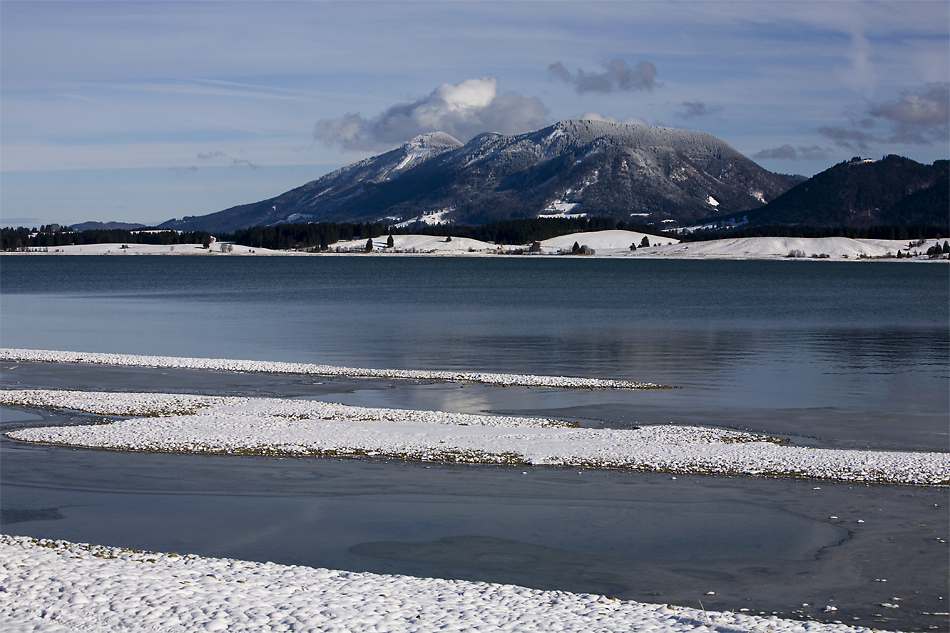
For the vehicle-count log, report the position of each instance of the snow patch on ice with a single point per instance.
(275, 367)
(63, 586)
(271, 426)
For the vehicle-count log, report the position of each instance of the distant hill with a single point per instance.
(638, 173)
(893, 191)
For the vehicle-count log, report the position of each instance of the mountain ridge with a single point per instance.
(894, 191)
(620, 171)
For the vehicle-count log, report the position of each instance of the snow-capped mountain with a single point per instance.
(575, 167)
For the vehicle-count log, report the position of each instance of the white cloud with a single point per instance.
(927, 108)
(463, 110)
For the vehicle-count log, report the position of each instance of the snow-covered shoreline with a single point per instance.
(57, 586)
(62, 586)
(610, 244)
(308, 369)
(271, 426)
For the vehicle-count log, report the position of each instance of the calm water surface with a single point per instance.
(850, 352)
(831, 354)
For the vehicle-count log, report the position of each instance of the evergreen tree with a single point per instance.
(390, 242)
(645, 242)
(369, 245)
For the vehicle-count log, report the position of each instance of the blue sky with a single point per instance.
(145, 111)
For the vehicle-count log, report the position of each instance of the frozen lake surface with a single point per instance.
(849, 355)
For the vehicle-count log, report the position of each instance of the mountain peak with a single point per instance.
(628, 172)
(434, 140)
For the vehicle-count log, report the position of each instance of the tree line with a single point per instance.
(508, 232)
(316, 235)
(321, 235)
(54, 235)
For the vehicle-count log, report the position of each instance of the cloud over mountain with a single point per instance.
(847, 138)
(921, 117)
(787, 152)
(617, 76)
(694, 109)
(462, 110)
(916, 118)
(630, 120)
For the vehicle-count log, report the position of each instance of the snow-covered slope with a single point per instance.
(612, 243)
(604, 242)
(836, 248)
(422, 244)
(156, 249)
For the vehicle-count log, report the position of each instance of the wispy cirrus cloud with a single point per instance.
(243, 162)
(463, 110)
(237, 162)
(617, 76)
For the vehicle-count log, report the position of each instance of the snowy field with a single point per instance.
(604, 243)
(60, 586)
(835, 248)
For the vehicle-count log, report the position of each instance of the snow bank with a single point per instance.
(419, 244)
(272, 367)
(156, 249)
(835, 248)
(270, 426)
(61, 586)
(604, 243)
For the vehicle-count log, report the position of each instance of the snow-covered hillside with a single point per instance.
(604, 244)
(835, 248)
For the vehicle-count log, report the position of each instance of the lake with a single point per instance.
(840, 354)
